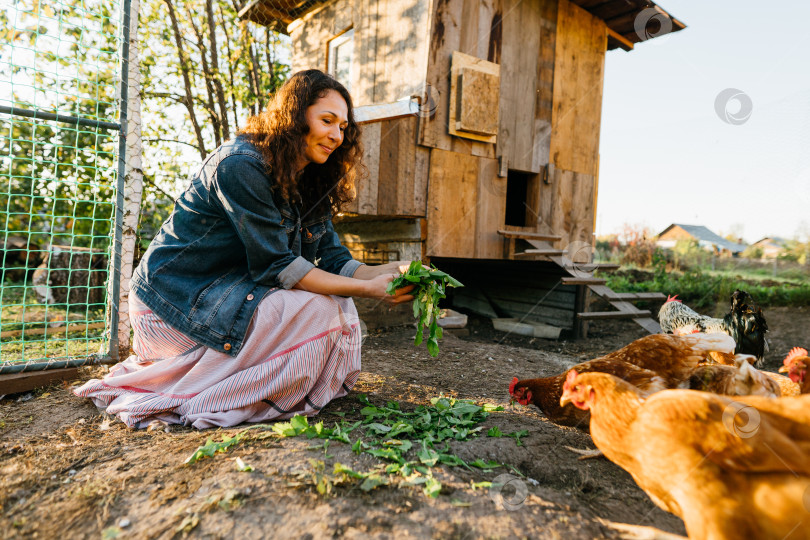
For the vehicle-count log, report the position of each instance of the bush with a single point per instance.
(701, 291)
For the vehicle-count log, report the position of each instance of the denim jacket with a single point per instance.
(229, 242)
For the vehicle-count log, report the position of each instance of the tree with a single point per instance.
(58, 179)
(204, 71)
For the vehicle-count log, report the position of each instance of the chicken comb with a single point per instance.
(795, 352)
(673, 298)
(570, 379)
(512, 386)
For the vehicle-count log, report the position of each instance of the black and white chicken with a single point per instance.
(744, 322)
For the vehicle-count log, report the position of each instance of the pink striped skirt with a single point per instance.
(301, 351)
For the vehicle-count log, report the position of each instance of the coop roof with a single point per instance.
(706, 237)
(628, 21)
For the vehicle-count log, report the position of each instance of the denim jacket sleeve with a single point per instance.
(243, 189)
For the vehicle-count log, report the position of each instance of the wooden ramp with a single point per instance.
(581, 275)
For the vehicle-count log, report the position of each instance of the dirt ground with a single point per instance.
(68, 471)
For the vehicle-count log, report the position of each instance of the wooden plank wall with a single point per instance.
(472, 27)
(527, 68)
(397, 179)
(518, 35)
(310, 39)
(452, 208)
(567, 206)
(578, 79)
(466, 206)
(566, 197)
(390, 45)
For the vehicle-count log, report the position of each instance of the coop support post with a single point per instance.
(133, 184)
(115, 260)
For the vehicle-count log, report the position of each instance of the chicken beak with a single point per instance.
(565, 399)
(784, 369)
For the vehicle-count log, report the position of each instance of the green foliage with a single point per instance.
(57, 180)
(430, 287)
(251, 63)
(702, 290)
(211, 447)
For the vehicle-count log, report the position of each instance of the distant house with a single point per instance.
(772, 246)
(704, 237)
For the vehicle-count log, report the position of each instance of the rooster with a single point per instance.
(797, 365)
(652, 363)
(730, 468)
(744, 322)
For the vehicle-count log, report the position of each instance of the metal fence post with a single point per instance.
(133, 183)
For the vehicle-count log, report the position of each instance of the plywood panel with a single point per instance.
(456, 25)
(581, 42)
(527, 64)
(567, 206)
(544, 94)
(491, 210)
(452, 208)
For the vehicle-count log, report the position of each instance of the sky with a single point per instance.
(667, 156)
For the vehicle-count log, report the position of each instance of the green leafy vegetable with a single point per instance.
(408, 442)
(430, 288)
(210, 447)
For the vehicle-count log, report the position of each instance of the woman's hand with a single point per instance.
(370, 272)
(376, 289)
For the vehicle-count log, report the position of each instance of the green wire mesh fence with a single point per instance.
(60, 168)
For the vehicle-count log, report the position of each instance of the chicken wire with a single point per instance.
(62, 82)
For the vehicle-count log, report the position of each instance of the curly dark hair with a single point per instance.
(279, 132)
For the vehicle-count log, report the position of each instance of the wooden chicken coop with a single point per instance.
(481, 125)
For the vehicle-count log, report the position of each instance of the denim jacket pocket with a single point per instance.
(313, 232)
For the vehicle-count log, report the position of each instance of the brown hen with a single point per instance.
(652, 363)
(730, 468)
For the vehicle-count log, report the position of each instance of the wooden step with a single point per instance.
(583, 281)
(635, 297)
(602, 315)
(529, 235)
(605, 267)
(539, 252)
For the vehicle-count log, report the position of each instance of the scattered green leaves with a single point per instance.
(210, 447)
(517, 435)
(430, 288)
(409, 443)
(391, 434)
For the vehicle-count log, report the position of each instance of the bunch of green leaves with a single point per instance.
(430, 287)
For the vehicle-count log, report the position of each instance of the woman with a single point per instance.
(239, 306)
